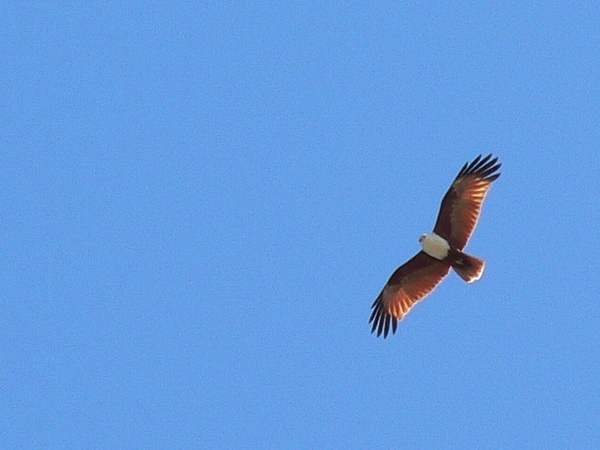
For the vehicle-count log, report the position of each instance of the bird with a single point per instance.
(442, 249)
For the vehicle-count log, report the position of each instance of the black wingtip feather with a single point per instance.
(373, 314)
(386, 328)
(485, 167)
(381, 320)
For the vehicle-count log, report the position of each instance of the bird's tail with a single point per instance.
(468, 267)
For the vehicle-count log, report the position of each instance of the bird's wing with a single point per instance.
(409, 284)
(462, 203)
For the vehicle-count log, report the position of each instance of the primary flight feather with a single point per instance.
(442, 249)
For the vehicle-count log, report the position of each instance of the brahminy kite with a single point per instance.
(442, 249)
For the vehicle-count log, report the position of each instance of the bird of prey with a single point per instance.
(442, 249)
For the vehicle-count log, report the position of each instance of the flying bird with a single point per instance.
(442, 249)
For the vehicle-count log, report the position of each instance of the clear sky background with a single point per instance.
(200, 203)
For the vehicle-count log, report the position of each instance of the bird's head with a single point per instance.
(422, 238)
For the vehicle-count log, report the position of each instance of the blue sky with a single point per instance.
(200, 203)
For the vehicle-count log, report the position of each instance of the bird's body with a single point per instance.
(442, 249)
(468, 267)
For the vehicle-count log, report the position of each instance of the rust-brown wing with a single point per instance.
(462, 203)
(409, 284)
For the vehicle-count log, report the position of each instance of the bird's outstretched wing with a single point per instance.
(462, 203)
(409, 284)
